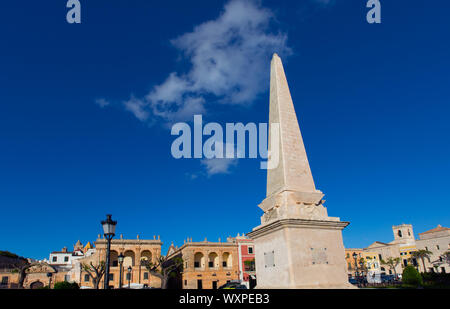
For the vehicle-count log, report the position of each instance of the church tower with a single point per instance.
(403, 234)
(297, 244)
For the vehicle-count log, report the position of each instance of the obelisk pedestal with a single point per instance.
(297, 244)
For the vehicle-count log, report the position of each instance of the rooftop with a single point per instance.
(439, 228)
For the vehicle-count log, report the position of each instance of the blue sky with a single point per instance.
(85, 112)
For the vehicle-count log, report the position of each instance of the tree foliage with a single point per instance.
(411, 276)
(392, 263)
(164, 268)
(96, 272)
(64, 285)
(422, 254)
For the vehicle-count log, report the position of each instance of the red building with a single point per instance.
(246, 255)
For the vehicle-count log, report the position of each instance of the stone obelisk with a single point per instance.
(297, 244)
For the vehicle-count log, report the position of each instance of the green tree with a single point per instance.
(164, 268)
(392, 263)
(64, 285)
(96, 272)
(411, 276)
(250, 265)
(422, 254)
(446, 257)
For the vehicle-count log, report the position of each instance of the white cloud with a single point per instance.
(324, 2)
(221, 165)
(228, 62)
(102, 102)
(137, 107)
(218, 166)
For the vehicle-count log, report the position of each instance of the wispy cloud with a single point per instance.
(221, 165)
(102, 102)
(228, 58)
(218, 166)
(227, 63)
(324, 2)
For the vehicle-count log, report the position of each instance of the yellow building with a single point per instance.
(206, 265)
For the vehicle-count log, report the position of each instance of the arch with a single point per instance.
(400, 233)
(199, 260)
(129, 257)
(146, 255)
(227, 260)
(36, 285)
(113, 258)
(213, 260)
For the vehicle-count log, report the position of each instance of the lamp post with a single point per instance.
(129, 275)
(109, 228)
(355, 257)
(120, 259)
(49, 275)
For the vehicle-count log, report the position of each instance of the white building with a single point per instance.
(436, 241)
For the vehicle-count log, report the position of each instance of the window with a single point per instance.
(250, 250)
(66, 259)
(86, 278)
(111, 277)
(196, 264)
(224, 264)
(400, 233)
(128, 276)
(54, 259)
(437, 247)
(211, 264)
(426, 248)
(145, 276)
(185, 282)
(5, 280)
(380, 257)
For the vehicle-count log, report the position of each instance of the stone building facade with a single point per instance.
(404, 245)
(134, 251)
(437, 241)
(206, 265)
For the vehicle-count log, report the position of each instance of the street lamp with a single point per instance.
(49, 275)
(120, 259)
(109, 227)
(129, 275)
(355, 257)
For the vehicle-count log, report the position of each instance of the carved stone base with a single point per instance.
(298, 253)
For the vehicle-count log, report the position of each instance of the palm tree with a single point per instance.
(446, 256)
(422, 254)
(392, 263)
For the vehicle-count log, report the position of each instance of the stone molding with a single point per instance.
(296, 223)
